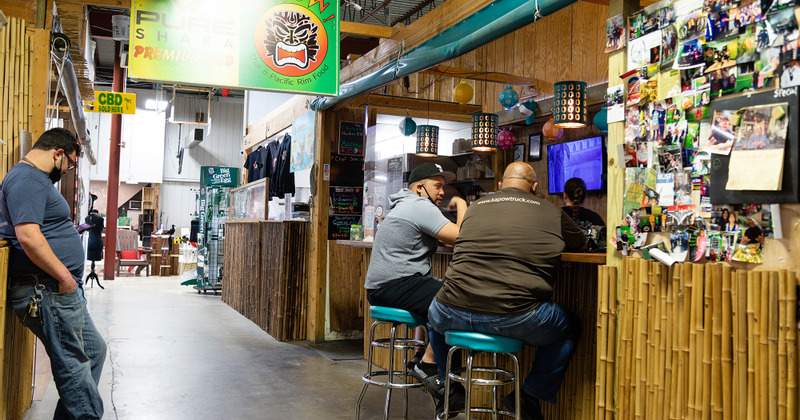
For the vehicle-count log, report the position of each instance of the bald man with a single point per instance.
(501, 279)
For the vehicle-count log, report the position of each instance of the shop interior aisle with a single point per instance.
(176, 354)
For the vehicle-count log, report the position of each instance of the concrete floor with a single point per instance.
(176, 354)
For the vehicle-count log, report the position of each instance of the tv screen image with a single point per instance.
(581, 158)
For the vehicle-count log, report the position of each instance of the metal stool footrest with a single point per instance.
(399, 343)
(508, 377)
(398, 374)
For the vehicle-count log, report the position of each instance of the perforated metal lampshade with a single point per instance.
(570, 104)
(484, 132)
(427, 140)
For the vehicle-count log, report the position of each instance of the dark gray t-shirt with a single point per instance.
(28, 196)
(405, 240)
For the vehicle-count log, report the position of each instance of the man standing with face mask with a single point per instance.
(399, 274)
(45, 271)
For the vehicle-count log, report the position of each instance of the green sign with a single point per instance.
(284, 45)
(219, 176)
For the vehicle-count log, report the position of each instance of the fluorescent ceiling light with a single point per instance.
(155, 104)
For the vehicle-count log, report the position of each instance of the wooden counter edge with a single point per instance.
(581, 257)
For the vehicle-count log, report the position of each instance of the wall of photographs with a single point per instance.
(685, 59)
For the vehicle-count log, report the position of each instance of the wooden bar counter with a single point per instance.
(576, 290)
(266, 276)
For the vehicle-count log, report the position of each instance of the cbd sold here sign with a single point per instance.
(112, 103)
(283, 45)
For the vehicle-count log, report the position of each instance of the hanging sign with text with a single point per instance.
(111, 103)
(282, 45)
(351, 138)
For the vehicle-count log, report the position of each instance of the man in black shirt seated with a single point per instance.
(500, 282)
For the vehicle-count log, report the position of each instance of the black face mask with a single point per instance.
(55, 174)
(429, 196)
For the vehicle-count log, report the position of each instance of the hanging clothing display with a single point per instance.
(254, 165)
(282, 180)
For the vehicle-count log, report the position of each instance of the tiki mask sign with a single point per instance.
(280, 45)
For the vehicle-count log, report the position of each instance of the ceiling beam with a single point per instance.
(413, 103)
(363, 29)
(506, 79)
(375, 10)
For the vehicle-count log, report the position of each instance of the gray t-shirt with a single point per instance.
(405, 240)
(28, 196)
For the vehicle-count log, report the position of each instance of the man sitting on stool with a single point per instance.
(399, 274)
(501, 278)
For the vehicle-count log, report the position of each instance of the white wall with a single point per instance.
(143, 137)
(178, 203)
(221, 146)
(260, 104)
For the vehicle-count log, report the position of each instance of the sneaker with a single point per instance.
(456, 403)
(529, 406)
(428, 375)
(415, 361)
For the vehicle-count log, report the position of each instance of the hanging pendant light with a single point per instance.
(484, 132)
(551, 131)
(569, 96)
(408, 126)
(427, 140)
(463, 93)
(506, 139)
(508, 97)
(570, 104)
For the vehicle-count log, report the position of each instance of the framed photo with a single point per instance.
(519, 152)
(535, 147)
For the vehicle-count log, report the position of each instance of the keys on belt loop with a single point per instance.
(34, 308)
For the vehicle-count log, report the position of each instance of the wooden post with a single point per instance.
(617, 65)
(318, 245)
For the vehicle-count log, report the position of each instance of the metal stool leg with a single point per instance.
(517, 395)
(494, 387)
(468, 394)
(391, 371)
(447, 383)
(369, 369)
(405, 375)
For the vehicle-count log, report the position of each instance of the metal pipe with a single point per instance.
(492, 22)
(112, 200)
(69, 88)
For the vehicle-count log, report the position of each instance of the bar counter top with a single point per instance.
(580, 257)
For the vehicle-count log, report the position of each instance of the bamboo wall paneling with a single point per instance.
(732, 342)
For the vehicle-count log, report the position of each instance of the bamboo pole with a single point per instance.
(662, 367)
(716, 341)
(677, 334)
(651, 354)
(705, 381)
(695, 341)
(791, 349)
(684, 365)
(762, 390)
(783, 322)
(740, 341)
(602, 341)
(640, 341)
(771, 311)
(625, 355)
(13, 93)
(726, 358)
(16, 126)
(752, 347)
(4, 128)
(612, 338)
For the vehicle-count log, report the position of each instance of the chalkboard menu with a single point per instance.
(351, 138)
(346, 194)
(347, 200)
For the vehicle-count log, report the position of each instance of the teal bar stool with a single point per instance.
(482, 343)
(395, 379)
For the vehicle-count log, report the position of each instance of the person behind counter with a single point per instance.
(574, 194)
(500, 282)
(399, 273)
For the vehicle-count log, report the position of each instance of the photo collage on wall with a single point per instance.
(682, 56)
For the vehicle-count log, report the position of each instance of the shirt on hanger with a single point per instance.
(254, 165)
(282, 181)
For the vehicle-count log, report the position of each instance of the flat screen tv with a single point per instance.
(580, 158)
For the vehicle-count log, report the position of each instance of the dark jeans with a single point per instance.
(414, 294)
(549, 327)
(76, 349)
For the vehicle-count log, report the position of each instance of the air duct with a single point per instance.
(194, 138)
(68, 84)
(486, 25)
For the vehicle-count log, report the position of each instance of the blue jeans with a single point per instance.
(76, 349)
(549, 327)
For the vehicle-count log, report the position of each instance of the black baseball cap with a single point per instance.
(427, 170)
